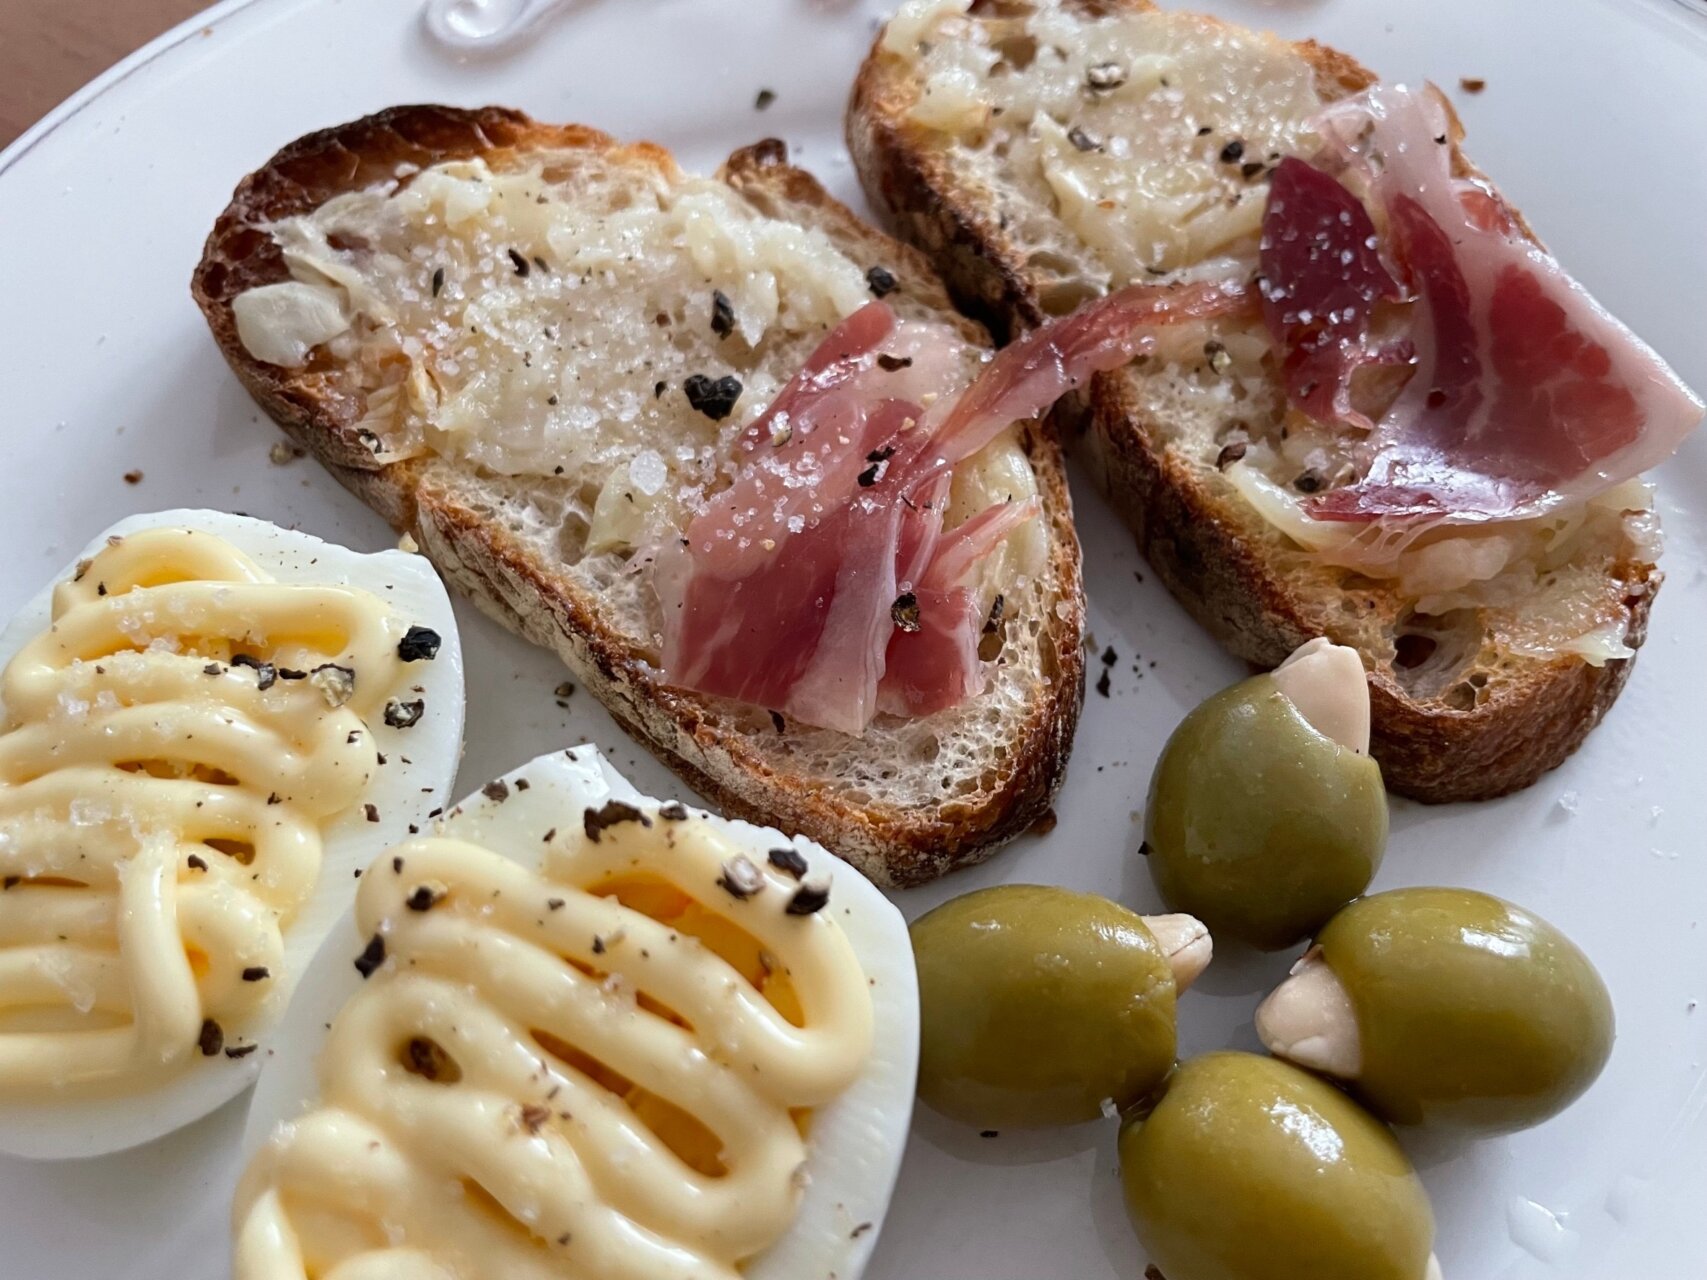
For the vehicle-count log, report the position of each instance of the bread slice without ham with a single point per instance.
(529, 543)
(964, 127)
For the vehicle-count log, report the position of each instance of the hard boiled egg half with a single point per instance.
(210, 724)
(571, 1031)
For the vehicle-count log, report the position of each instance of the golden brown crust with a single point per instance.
(1195, 540)
(695, 736)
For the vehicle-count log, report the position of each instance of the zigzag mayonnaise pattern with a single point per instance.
(161, 805)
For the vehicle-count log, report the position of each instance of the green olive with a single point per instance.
(1037, 1005)
(1258, 824)
(1248, 1168)
(1470, 1012)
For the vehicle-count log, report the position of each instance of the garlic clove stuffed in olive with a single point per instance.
(1266, 814)
(1041, 1006)
(1247, 1168)
(1445, 1006)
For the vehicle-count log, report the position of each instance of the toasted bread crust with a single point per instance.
(1199, 543)
(693, 735)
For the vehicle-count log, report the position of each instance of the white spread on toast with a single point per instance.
(161, 804)
(603, 1068)
(1123, 121)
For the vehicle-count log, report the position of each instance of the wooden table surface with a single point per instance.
(50, 48)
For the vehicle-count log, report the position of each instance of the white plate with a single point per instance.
(1591, 120)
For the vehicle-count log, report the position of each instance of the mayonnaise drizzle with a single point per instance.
(515, 1163)
(161, 812)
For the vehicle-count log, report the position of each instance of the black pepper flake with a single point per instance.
(904, 613)
(522, 784)
(1204, 130)
(789, 861)
(549, 836)
(419, 644)
(256, 973)
(989, 1133)
(274, 797)
(212, 1038)
(534, 1115)
(196, 862)
(438, 281)
(882, 281)
(213, 669)
(598, 946)
(565, 1238)
(808, 899)
(100, 588)
(765, 98)
(241, 1050)
(424, 1057)
(722, 314)
(1233, 152)
(424, 897)
(265, 672)
(554, 904)
(397, 865)
(1105, 76)
(497, 791)
(595, 822)
(1230, 453)
(889, 363)
(10, 881)
(674, 811)
(404, 715)
(740, 878)
(1308, 482)
(1083, 140)
(1109, 656)
(714, 397)
(1143, 848)
(372, 956)
(372, 811)
(133, 477)
(1103, 683)
(860, 1230)
(519, 263)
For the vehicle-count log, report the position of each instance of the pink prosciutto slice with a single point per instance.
(1321, 276)
(1527, 393)
(821, 583)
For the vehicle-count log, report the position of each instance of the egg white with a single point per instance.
(855, 1142)
(402, 792)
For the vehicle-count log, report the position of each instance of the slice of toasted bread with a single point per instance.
(908, 801)
(1469, 702)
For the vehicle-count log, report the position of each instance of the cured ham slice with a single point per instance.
(1322, 275)
(821, 582)
(1527, 393)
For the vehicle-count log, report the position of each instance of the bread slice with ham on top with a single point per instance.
(726, 449)
(1415, 434)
